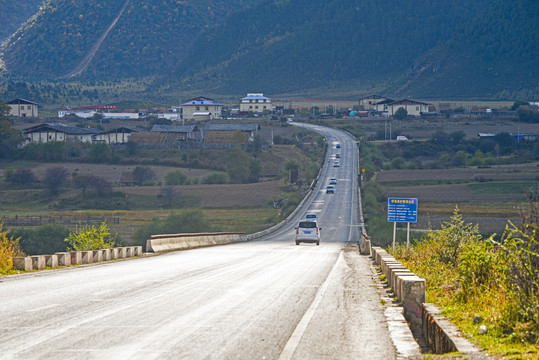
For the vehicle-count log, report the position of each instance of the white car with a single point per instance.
(332, 181)
(308, 231)
(335, 164)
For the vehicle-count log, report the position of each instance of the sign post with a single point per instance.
(401, 210)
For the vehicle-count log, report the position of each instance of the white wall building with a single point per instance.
(255, 102)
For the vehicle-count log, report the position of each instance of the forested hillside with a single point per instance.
(303, 44)
(402, 48)
(148, 38)
(496, 55)
(14, 13)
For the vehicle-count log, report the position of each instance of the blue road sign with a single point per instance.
(402, 210)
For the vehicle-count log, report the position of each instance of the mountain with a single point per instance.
(496, 55)
(14, 13)
(111, 39)
(403, 48)
(300, 45)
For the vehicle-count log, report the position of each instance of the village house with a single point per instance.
(169, 137)
(255, 103)
(370, 102)
(412, 107)
(47, 132)
(201, 108)
(119, 135)
(22, 108)
(224, 135)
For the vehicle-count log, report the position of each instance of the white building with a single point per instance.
(256, 103)
(412, 107)
(58, 132)
(22, 108)
(201, 108)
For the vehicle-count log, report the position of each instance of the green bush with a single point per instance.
(46, 239)
(91, 238)
(175, 178)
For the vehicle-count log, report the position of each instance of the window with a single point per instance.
(206, 108)
(198, 108)
(417, 108)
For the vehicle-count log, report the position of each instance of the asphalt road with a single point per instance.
(266, 299)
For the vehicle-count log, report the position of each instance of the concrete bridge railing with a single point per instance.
(39, 262)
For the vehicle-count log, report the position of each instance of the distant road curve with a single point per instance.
(88, 58)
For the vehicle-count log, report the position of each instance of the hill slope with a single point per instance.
(299, 45)
(496, 55)
(148, 37)
(14, 13)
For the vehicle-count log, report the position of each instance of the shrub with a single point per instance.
(217, 178)
(91, 238)
(46, 239)
(9, 248)
(175, 178)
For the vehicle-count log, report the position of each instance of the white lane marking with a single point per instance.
(296, 336)
(43, 308)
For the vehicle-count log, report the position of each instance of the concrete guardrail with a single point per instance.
(170, 242)
(39, 262)
(440, 335)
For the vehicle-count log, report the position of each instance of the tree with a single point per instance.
(505, 141)
(22, 177)
(401, 114)
(255, 170)
(142, 174)
(9, 137)
(99, 153)
(518, 103)
(54, 178)
(237, 166)
(168, 194)
(87, 183)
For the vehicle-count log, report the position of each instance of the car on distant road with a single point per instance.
(335, 164)
(308, 231)
(311, 217)
(332, 181)
(338, 146)
(337, 156)
(330, 189)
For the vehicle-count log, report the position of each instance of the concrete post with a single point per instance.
(106, 254)
(76, 257)
(64, 258)
(413, 296)
(38, 262)
(129, 251)
(97, 255)
(399, 279)
(87, 257)
(51, 260)
(114, 253)
(122, 252)
(23, 263)
(395, 275)
(138, 250)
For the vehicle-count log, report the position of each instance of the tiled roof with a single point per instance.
(71, 130)
(126, 129)
(232, 127)
(174, 128)
(255, 97)
(21, 101)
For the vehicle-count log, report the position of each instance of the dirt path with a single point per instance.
(88, 58)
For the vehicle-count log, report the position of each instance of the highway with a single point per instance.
(264, 299)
